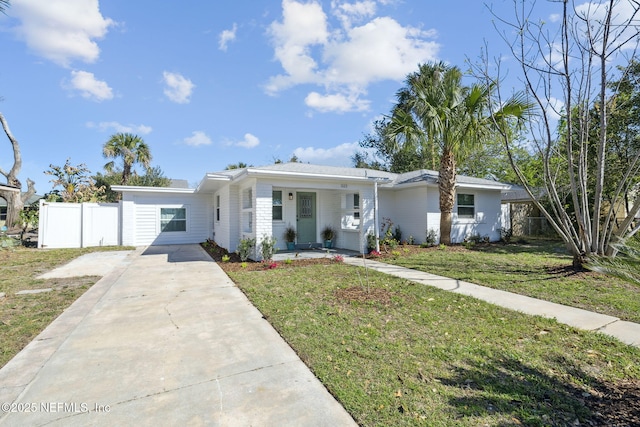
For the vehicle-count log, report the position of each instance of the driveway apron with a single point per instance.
(167, 339)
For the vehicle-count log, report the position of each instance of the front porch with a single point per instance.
(308, 211)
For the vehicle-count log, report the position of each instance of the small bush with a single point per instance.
(226, 258)
(8, 242)
(268, 247)
(506, 234)
(397, 234)
(371, 241)
(432, 237)
(338, 258)
(245, 248)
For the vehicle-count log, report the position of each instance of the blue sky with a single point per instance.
(210, 83)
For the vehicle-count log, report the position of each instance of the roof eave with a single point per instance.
(305, 175)
(163, 190)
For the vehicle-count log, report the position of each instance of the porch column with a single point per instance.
(263, 219)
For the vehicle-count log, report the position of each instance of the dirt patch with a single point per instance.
(364, 295)
(616, 404)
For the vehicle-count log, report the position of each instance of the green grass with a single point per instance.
(23, 317)
(426, 357)
(541, 269)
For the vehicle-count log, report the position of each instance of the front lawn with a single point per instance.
(23, 317)
(539, 269)
(396, 353)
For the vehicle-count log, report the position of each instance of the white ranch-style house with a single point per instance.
(255, 202)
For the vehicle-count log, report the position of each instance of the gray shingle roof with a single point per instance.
(419, 176)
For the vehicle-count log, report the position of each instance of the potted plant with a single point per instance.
(290, 238)
(328, 234)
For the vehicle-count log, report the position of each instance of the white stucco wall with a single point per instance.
(416, 210)
(488, 216)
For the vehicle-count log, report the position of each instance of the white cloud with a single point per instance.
(120, 128)
(348, 13)
(335, 156)
(197, 138)
(554, 56)
(343, 60)
(227, 36)
(61, 30)
(555, 108)
(303, 26)
(623, 12)
(89, 87)
(178, 88)
(336, 102)
(249, 141)
(398, 51)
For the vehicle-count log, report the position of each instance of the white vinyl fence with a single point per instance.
(78, 225)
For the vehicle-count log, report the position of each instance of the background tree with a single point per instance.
(15, 200)
(362, 160)
(398, 146)
(131, 149)
(436, 113)
(4, 4)
(623, 135)
(574, 65)
(75, 184)
(239, 165)
(153, 177)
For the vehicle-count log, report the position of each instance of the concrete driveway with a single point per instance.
(165, 338)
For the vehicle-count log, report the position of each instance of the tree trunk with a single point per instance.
(447, 190)
(14, 206)
(15, 200)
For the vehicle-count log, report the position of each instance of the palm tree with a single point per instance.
(131, 148)
(4, 4)
(450, 116)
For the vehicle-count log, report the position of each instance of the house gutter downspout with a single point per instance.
(375, 214)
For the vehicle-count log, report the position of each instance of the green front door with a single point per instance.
(306, 214)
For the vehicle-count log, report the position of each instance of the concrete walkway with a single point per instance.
(626, 332)
(165, 338)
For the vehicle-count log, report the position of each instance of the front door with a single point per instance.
(306, 214)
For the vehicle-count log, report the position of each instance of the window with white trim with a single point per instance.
(466, 206)
(173, 219)
(247, 210)
(247, 198)
(350, 211)
(276, 210)
(356, 206)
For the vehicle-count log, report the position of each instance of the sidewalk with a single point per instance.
(164, 339)
(626, 332)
